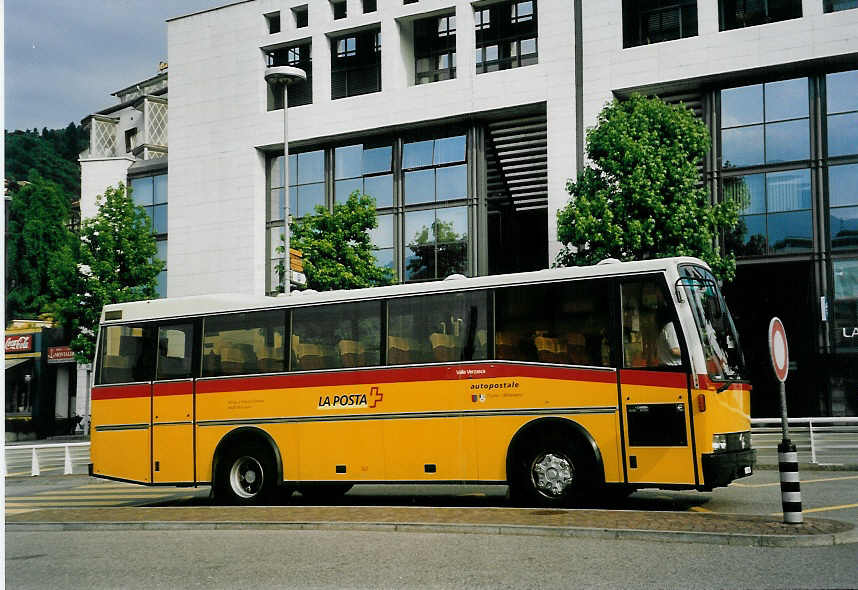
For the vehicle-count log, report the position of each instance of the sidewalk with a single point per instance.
(685, 527)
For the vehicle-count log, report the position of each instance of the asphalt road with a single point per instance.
(352, 559)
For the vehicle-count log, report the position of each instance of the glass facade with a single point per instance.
(150, 192)
(423, 199)
(789, 156)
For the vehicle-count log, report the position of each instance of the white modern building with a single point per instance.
(465, 119)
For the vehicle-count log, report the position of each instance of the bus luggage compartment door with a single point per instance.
(173, 431)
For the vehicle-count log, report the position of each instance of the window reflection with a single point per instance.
(790, 232)
(742, 146)
(742, 106)
(788, 141)
(786, 99)
(843, 134)
(842, 91)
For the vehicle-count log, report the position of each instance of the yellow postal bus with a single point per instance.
(556, 382)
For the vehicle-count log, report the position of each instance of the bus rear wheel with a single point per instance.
(246, 476)
(550, 471)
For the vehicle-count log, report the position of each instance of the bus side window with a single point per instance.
(650, 334)
(127, 354)
(567, 323)
(244, 344)
(175, 349)
(438, 328)
(336, 336)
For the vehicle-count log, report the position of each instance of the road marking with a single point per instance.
(699, 509)
(19, 510)
(777, 483)
(53, 497)
(821, 509)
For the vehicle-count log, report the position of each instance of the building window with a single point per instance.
(369, 6)
(306, 192)
(356, 64)
(273, 22)
(654, 21)
(836, 5)
(339, 9)
(150, 192)
(300, 93)
(736, 14)
(435, 187)
(775, 215)
(506, 36)
(435, 49)
(368, 169)
(765, 124)
(130, 140)
(421, 190)
(846, 304)
(842, 111)
(299, 13)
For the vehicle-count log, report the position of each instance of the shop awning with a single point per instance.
(14, 362)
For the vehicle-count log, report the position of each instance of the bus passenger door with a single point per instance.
(655, 400)
(173, 405)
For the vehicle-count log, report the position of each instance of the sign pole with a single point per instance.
(787, 454)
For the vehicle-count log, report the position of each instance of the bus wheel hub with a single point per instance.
(551, 474)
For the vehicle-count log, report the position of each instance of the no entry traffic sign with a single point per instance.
(778, 349)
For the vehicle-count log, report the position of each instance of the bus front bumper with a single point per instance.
(719, 469)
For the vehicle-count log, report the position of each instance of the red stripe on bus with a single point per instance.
(403, 375)
(174, 388)
(654, 378)
(120, 391)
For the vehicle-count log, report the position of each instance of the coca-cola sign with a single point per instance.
(19, 343)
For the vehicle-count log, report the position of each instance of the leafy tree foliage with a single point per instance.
(36, 233)
(113, 262)
(337, 248)
(53, 154)
(641, 198)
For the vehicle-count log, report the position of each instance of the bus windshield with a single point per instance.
(724, 359)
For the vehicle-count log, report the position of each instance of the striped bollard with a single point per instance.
(790, 486)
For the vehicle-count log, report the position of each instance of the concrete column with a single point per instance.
(707, 17)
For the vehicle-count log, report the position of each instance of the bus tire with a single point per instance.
(324, 492)
(246, 475)
(551, 470)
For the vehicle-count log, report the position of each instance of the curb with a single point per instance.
(738, 539)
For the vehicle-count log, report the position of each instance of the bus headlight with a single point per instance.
(719, 442)
(745, 440)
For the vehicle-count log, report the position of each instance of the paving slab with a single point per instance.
(732, 529)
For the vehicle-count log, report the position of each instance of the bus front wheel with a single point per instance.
(550, 471)
(246, 476)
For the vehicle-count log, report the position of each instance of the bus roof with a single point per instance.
(201, 305)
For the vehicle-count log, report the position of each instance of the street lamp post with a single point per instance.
(282, 76)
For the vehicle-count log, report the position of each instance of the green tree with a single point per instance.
(337, 248)
(641, 197)
(113, 262)
(38, 214)
(50, 156)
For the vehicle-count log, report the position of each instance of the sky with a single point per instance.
(64, 58)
